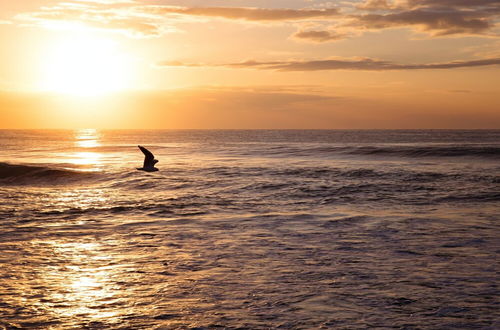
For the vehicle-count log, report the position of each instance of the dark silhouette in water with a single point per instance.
(149, 161)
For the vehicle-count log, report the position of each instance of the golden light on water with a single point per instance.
(82, 286)
(80, 280)
(86, 158)
(88, 143)
(82, 161)
(87, 138)
(79, 198)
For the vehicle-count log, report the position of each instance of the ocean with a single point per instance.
(250, 229)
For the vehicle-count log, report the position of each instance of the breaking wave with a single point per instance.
(35, 174)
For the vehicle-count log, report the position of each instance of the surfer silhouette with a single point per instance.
(149, 161)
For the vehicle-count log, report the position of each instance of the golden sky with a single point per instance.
(250, 64)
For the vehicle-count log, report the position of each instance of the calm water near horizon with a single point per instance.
(256, 229)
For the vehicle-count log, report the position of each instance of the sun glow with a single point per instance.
(86, 66)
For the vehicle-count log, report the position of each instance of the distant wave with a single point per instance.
(429, 151)
(33, 174)
(470, 151)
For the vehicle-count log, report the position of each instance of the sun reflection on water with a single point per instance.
(87, 138)
(88, 143)
(86, 158)
(82, 285)
(79, 198)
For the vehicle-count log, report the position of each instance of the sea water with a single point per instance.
(256, 229)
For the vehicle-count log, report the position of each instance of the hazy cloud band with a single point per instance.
(365, 64)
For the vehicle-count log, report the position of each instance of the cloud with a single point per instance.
(243, 13)
(97, 16)
(364, 64)
(439, 18)
(439, 23)
(107, 2)
(452, 3)
(412, 4)
(134, 20)
(318, 36)
(374, 5)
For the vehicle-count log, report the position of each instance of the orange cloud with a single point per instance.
(107, 2)
(116, 16)
(374, 5)
(453, 3)
(134, 20)
(365, 64)
(248, 14)
(439, 23)
(318, 35)
(412, 4)
(440, 18)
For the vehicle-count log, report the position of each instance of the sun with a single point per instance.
(85, 66)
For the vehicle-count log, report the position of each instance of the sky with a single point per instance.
(244, 64)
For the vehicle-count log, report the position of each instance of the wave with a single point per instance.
(36, 174)
(429, 151)
(484, 196)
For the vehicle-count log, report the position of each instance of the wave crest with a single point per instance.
(30, 174)
(430, 151)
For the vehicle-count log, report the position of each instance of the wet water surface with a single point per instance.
(250, 229)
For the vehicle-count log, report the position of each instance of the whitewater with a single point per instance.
(252, 229)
